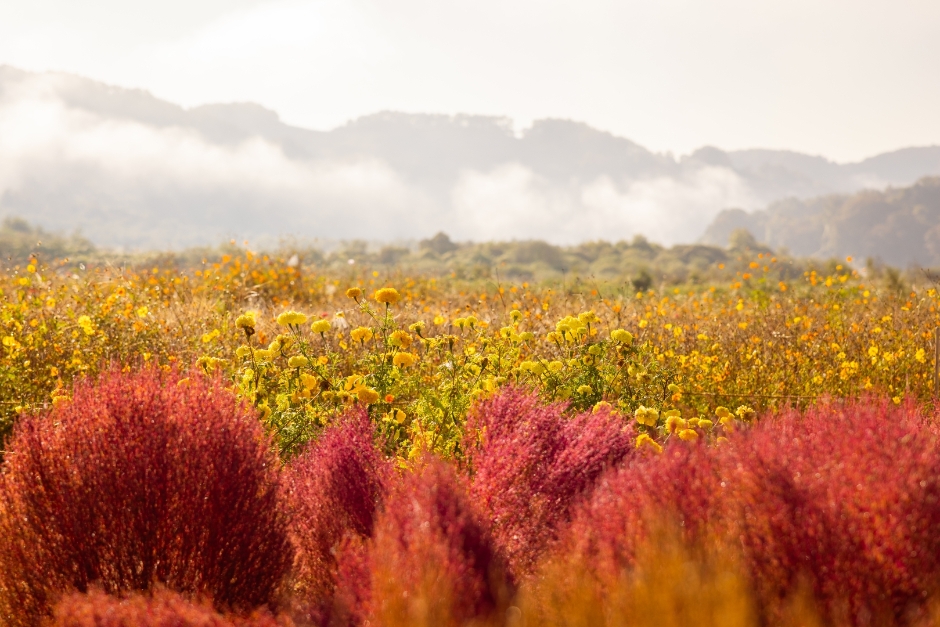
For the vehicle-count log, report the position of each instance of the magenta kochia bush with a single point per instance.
(681, 487)
(530, 463)
(848, 496)
(136, 482)
(843, 498)
(333, 489)
(162, 609)
(432, 560)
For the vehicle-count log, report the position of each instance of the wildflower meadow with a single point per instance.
(255, 440)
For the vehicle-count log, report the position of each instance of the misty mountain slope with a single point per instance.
(898, 226)
(129, 169)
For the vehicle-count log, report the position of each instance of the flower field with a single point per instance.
(252, 441)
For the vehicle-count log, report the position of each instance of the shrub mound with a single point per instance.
(334, 488)
(530, 464)
(140, 481)
(432, 561)
(844, 499)
(162, 609)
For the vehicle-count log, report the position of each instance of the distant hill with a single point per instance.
(898, 226)
(128, 169)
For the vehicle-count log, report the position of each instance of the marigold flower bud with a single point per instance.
(645, 440)
(289, 318)
(387, 295)
(367, 395)
(320, 326)
(297, 361)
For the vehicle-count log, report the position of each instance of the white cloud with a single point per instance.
(513, 202)
(254, 179)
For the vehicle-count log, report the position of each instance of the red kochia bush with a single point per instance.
(844, 498)
(432, 560)
(848, 496)
(137, 482)
(163, 609)
(530, 463)
(334, 488)
(682, 486)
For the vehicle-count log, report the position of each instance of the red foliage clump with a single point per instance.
(531, 463)
(432, 560)
(682, 486)
(333, 490)
(136, 482)
(162, 609)
(844, 498)
(847, 497)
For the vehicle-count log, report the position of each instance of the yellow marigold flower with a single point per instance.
(645, 440)
(532, 366)
(675, 423)
(247, 321)
(387, 295)
(646, 416)
(920, 356)
(619, 335)
(515, 315)
(264, 355)
(440, 320)
(291, 318)
(723, 412)
(602, 406)
(59, 399)
(243, 351)
(688, 434)
(320, 326)
(361, 334)
(298, 361)
(354, 293)
(404, 359)
(142, 312)
(417, 327)
(86, 324)
(399, 416)
(705, 423)
(745, 413)
(672, 387)
(556, 366)
(588, 317)
(309, 381)
(400, 338)
(367, 395)
(585, 389)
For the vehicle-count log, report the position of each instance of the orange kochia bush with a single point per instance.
(141, 480)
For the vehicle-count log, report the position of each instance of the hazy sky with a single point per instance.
(842, 78)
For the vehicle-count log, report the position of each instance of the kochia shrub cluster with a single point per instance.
(433, 561)
(842, 499)
(334, 488)
(141, 481)
(530, 463)
(162, 609)
(149, 500)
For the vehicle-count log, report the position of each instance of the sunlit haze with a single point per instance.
(842, 78)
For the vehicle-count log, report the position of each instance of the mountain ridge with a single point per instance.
(130, 169)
